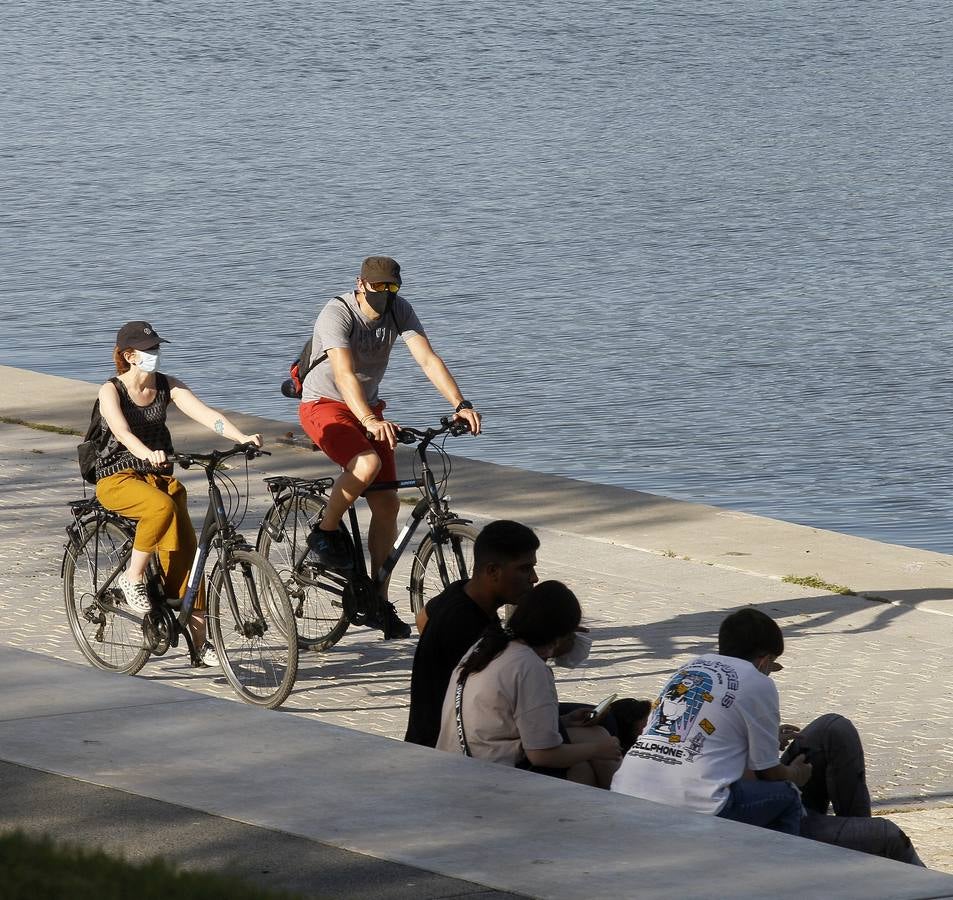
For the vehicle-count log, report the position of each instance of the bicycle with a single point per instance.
(326, 602)
(248, 612)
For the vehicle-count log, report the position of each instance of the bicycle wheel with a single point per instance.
(438, 565)
(107, 632)
(252, 628)
(315, 601)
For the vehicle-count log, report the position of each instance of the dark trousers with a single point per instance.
(839, 782)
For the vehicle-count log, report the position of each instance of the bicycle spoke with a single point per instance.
(106, 630)
(253, 629)
(315, 595)
(438, 565)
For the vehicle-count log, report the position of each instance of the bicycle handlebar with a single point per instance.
(206, 460)
(456, 427)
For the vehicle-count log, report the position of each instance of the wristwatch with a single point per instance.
(463, 404)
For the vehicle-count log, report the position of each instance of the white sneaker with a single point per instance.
(210, 656)
(135, 592)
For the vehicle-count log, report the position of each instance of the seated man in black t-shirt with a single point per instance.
(504, 571)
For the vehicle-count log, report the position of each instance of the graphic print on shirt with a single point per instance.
(686, 713)
(679, 705)
(373, 341)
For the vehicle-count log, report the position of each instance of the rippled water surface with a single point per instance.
(698, 249)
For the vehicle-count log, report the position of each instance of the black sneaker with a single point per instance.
(331, 549)
(393, 626)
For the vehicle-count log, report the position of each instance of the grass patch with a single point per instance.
(39, 426)
(813, 581)
(39, 869)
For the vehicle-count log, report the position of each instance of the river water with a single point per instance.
(701, 249)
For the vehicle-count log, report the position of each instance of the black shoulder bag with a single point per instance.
(461, 734)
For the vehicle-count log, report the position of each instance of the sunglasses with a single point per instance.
(385, 286)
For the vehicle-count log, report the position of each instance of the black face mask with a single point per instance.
(378, 300)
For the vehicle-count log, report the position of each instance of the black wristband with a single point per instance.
(463, 404)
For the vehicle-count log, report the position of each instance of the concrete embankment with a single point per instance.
(655, 575)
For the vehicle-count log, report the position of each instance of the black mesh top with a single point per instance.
(146, 422)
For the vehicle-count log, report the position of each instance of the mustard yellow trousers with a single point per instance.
(159, 504)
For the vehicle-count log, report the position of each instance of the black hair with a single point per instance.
(548, 612)
(749, 633)
(629, 715)
(502, 542)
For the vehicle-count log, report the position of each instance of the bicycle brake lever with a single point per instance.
(405, 437)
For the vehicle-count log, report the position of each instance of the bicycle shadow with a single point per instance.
(697, 632)
(363, 660)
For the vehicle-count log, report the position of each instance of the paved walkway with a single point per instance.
(655, 578)
(448, 826)
(140, 827)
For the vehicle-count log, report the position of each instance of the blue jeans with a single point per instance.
(770, 804)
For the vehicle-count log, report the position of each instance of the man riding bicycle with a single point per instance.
(341, 410)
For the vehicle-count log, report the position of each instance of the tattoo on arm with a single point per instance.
(219, 426)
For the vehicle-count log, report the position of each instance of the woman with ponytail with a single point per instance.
(501, 705)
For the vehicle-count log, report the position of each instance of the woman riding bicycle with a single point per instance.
(134, 475)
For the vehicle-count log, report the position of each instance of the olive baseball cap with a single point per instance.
(138, 336)
(380, 268)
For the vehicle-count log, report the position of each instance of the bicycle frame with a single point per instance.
(216, 523)
(430, 506)
(423, 507)
(249, 619)
(84, 512)
(327, 599)
(317, 488)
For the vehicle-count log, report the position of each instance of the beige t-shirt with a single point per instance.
(509, 707)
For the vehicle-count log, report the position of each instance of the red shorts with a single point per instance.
(336, 430)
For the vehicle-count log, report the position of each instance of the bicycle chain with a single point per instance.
(158, 628)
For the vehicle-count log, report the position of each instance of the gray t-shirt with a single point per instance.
(342, 324)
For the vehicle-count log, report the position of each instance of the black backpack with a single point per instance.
(291, 387)
(94, 443)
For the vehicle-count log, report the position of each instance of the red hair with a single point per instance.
(122, 365)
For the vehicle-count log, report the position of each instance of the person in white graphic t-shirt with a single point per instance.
(712, 741)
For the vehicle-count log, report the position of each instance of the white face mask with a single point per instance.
(578, 654)
(148, 362)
